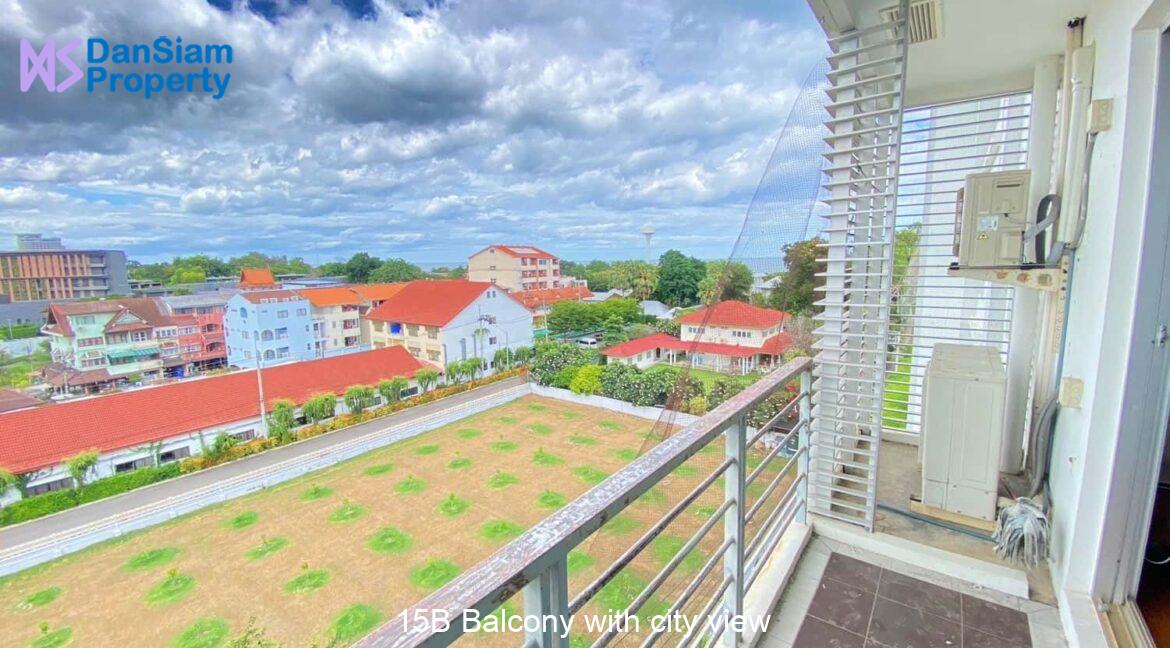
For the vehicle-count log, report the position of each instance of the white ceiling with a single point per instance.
(987, 46)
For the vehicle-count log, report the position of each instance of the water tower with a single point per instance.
(648, 232)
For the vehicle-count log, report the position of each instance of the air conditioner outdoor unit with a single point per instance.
(962, 431)
(991, 220)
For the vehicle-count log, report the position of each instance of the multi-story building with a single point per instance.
(62, 274)
(445, 321)
(515, 267)
(336, 320)
(93, 344)
(201, 339)
(37, 243)
(269, 327)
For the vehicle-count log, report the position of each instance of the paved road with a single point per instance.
(102, 509)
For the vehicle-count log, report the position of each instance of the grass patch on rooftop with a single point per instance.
(243, 520)
(460, 463)
(496, 530)
(582, 440)
(307, 581)
(267, 547)
(429, 449)
(152, 558)
(571, 415)
(551, 500)
(610, 425)
(508, 420)
(578, 561)
(504, 445)
(685, 470)
(544, 458)
(590, 475)
(347, 512)
(453, 506)
(52, 638)
(653, 497)
(433, 574)
(467, 433)
(39, 598)
(315, 493)
(411, 485)
(620, 525)
(666, 547)
(625, 454)
(619, 593)
(537, 407)
(390, 541)
(378, 469)
(204, 633)
(174, 588)
(704, 511)
(543, 429)
(354, 622)
(502, 480)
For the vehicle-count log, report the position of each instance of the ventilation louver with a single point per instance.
(925, 20)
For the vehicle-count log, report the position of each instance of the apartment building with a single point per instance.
(515, 268)
(28, 275)
(200, 318)
(94, 344)
(444, 321)
(269, 327)
(336, 320)
(38, 243)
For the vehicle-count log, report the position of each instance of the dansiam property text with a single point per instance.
(165, 65)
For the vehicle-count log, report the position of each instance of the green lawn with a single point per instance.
(708, 377)
(897, 398)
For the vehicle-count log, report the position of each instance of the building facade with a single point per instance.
(37, 243)
(268, 327)
(200, 321)
(94, 344)
(447, 321)
(515, 268)
(336, 320)
(62, 274)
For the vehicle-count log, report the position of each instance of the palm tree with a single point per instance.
(426, 378)
(80, 465)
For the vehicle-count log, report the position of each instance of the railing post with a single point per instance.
(733, 523)
(546, 597)
(802, 448)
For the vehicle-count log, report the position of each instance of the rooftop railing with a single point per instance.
(762, 472)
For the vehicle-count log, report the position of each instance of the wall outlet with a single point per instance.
(1072, 391)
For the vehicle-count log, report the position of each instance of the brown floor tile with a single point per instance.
(973, 638)
(815, 633)
(842, 605)
(921, 595)
(1003, 622)
(852, 571)
(899, 626)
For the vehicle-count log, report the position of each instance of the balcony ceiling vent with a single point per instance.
(925, 23)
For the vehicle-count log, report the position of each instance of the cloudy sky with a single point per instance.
(420, 129)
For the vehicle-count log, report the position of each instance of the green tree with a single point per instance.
(281, 421)
(587, 380)
(726, 280)
(426, 379)
(358, 398)
(360, 266)
(796, 291)
(391, 390)
(320, 407)
(471, 368)
(678, 278)
(553, 357)
(395, 270)
(188, 274)
(454, 372)
(523, 354)
(8, 481)
(639, 277)
(503, 359)
(80, 465)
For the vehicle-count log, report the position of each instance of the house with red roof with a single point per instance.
(516, 268)
(444, 321)
(135, 428)
(257, 279)
(731, 336)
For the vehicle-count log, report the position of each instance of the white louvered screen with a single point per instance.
(865, 114)
(941, 145)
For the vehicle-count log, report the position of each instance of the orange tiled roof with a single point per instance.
(736, 313)
(430, 303)
(146, 308)
(43, 436)
(378, 291)
(331, 296)
(520, 251)
(534, 298)
(257, 278)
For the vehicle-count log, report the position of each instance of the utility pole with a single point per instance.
(260, 387)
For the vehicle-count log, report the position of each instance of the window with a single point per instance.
(302, 312)
(93, 362)
(133, 465)
(492, 340)
(282, 314)
(281, 333)
(140, 336)
(83, 319)
(92, 341)
(246, 435)
(243, 312)
(47, 487)
(174, 455)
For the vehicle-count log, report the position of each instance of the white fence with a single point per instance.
(30, 554)
(612, 404)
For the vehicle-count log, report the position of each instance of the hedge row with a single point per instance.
(55, 501)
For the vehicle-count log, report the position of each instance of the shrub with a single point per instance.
(587, 381)
(320, 407)
(358, 398)
(219, 449)
(553, 357)
(80, 465)
(391, 390)
(281, 422)
(565, 376)
(619, 381)
(37, 506)
(697, 405)
(426, 379)
(723, 389)
(126, 481)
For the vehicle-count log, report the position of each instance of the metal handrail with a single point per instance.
(536, 562)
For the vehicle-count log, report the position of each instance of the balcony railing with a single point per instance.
(537, 562)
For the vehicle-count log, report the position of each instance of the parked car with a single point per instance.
(588, 342)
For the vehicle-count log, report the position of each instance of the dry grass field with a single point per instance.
(321, 560)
